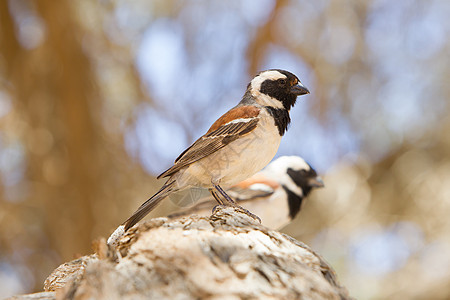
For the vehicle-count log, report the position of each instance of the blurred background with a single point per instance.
(99, 96)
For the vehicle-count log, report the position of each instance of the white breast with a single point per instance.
(238, 160)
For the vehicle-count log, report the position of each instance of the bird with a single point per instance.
(237, 145)
(275, 194)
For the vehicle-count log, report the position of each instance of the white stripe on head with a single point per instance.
(263, 76)
(296, 163)
(261, 98)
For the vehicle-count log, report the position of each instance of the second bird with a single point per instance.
(275, 194)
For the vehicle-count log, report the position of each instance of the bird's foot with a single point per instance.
(240, 209)
(248, 213)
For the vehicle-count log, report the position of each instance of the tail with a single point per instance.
(149, 205)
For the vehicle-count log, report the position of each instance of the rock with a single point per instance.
(226, 256)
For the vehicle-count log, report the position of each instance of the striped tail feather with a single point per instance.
(150, 204)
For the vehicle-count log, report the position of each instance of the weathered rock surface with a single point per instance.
(225, 256)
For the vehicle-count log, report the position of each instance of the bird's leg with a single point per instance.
(225, 195)
(217, 197)
(232, 203)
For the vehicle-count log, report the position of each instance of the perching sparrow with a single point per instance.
(239, 144)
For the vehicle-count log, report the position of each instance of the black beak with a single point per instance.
(299, 89)
(316, 182)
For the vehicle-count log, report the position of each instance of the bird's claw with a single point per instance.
(252, 215)
(240, 209)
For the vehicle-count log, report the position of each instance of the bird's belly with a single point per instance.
(235, 162)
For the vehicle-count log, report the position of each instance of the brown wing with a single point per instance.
(256, 186)
(210, 143)
(246, 194)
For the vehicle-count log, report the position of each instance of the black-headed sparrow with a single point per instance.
(275, 194)
(238, 144)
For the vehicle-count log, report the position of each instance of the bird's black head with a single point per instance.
(305, 179)
(277, 88)
(297, 178)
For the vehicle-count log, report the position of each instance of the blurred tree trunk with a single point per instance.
(54, 90)
(72, 78)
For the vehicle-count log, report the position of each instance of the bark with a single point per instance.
(225, 256)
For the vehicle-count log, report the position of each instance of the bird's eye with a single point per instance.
(282, 81)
